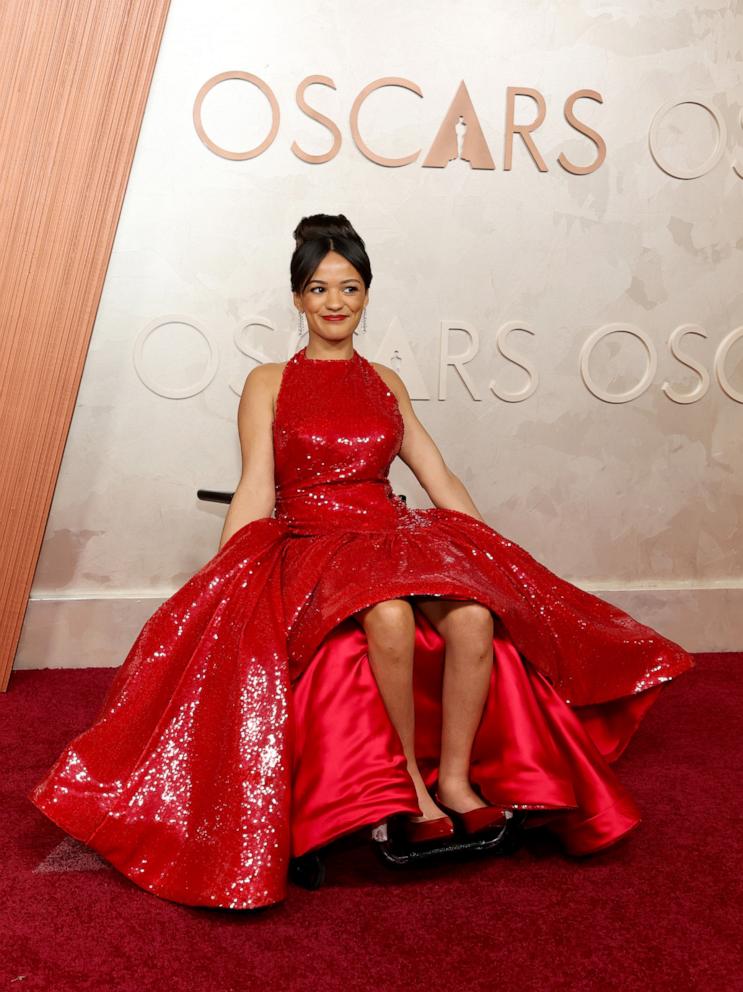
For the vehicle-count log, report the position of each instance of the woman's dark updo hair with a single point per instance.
(315, 237)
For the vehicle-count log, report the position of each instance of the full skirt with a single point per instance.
(245, 725)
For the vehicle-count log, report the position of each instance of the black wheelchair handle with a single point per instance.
(216, 496)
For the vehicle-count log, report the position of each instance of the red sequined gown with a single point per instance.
(245, 725)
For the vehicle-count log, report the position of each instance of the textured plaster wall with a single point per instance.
(641, 498)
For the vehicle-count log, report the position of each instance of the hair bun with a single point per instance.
(325, 226)
(319, 234)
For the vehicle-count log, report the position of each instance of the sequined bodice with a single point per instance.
(336, 430)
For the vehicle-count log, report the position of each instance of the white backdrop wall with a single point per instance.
(639, 501)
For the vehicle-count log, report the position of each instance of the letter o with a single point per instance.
(585, 357)
(736, 170)
(711, 161)
(265, 89)
(166, 391)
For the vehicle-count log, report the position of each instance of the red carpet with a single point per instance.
(660, 910)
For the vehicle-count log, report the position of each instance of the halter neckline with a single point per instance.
(327, 361)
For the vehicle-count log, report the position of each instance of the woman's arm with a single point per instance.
(420, 453)
(255, 495)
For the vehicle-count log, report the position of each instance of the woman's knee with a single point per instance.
(469, 623)
(390, 619)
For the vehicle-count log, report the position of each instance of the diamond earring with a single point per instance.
(363, 321)
(300, 323)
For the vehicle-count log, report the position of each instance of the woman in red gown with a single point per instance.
(343, 658)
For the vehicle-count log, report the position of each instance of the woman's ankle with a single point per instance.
(458, 792)
(453, 783)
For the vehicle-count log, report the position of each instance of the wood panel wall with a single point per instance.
(74, 79)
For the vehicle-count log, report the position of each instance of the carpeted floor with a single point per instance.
(660, 910)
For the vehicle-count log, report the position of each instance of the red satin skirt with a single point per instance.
(531, 751)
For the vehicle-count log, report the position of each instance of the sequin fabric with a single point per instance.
(184, 780)
(336, 431)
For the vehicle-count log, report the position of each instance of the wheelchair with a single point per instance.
(395, 852)
(388, 838)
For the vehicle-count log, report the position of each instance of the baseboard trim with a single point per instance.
(78, 631)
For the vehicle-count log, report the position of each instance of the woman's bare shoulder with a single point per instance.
(264, 381)
(266, 372)
(265, 377)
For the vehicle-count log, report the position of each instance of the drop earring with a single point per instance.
(363, 321)
(300, 323)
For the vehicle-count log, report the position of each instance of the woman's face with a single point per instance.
(335, 288)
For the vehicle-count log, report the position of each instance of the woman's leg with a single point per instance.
(390, 633)
(467, 629)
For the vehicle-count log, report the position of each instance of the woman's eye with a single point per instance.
(320, 289)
